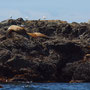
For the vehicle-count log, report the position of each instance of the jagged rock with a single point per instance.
(61, 57)
(82, 72)
(4, 55)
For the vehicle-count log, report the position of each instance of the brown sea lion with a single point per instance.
(17, 29)
(37, 34)
(22, 31)
(87, 57)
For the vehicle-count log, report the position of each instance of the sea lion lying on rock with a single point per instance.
(37, 34)
(17, 29)
(22, 31)
(87, 57)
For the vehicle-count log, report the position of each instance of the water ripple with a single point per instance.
(46, 86)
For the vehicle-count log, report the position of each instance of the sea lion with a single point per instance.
(37, 34)
(17, 29)
(76, 81)
(87, 57)
(22, 31)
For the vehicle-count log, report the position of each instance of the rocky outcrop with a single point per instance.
(62, 57)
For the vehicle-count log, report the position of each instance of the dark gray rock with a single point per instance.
(57, 58)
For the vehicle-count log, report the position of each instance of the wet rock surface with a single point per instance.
(60, 58)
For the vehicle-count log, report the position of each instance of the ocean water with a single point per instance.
(46, 86)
